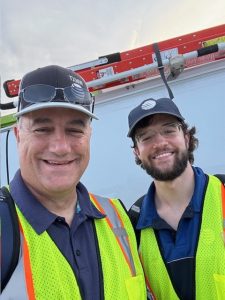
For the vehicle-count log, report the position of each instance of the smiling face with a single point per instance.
(54, 149)
(162, 148)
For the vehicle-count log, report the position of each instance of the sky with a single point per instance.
(70, 32)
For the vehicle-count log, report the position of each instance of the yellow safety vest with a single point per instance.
(43, 273)
(210, 256)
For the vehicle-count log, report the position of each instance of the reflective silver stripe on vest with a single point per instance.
(119, 231)
(16, 287)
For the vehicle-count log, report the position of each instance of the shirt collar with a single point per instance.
(39, 217)
(148, 211)
(85, 204)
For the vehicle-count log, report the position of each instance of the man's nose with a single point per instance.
(158, 138)
(59, 143)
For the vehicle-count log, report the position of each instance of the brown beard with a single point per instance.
(179, 166)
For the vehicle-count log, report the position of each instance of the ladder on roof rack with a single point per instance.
(199, 47)
(130, 66)
(204, 42)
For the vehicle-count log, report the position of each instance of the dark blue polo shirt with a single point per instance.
(76, 242)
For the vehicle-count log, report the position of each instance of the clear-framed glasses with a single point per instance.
(167, 131)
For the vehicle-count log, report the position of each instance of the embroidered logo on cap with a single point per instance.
(148, 104)
(76, 80)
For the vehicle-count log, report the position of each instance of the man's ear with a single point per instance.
(136, 152)
(16, 133)
(187, 140)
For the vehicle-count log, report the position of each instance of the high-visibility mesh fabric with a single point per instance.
(210, 256)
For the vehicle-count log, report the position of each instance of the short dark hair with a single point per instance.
(193, 142)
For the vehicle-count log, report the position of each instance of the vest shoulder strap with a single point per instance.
(10, 236)
(134, 211)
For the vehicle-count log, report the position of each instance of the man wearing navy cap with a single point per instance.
(73, 244)
(179, 222)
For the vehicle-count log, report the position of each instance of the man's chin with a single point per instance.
(59, 186)
(165, 174)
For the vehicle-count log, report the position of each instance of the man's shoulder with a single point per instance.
(221, 177)
(103, 199)
(134, 211)
(10, 236)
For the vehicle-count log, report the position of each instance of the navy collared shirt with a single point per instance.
(76, 242)
(181, 243)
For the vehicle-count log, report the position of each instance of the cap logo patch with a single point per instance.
(148, 104)
(76, 80)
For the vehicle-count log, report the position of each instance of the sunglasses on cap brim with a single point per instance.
(38, 93)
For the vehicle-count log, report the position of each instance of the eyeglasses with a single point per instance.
(167, 131)
(75, 94)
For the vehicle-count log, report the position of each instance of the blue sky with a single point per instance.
(68, 32)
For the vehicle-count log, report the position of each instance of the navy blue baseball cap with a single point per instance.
(54, 86)
(151, 107)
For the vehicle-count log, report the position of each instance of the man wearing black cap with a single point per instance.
(179, 223)
(73, 245)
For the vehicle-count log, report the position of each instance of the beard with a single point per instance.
(180, 164)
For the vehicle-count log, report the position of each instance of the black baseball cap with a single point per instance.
(151, 107)
(54, 86)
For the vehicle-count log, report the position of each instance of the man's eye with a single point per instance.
(74, 131)
(147, 138)
(169, 130)
(42, 130)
